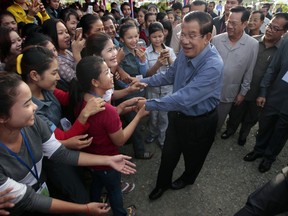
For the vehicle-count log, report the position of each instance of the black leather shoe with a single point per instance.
(241, 142)
(252, 156)
(226, 134)
(156, 193)
(265, 165)
(179, 184)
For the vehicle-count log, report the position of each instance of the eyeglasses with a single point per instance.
(232, 23)
(190, 37)
(274, 28)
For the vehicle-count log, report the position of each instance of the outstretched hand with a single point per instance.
(121, 164)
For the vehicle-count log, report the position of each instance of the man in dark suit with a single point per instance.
(273, 123)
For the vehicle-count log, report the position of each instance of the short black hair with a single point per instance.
(199, 3)
(187, 6)
(284, 16)
(204, 20)
(262, 16)
(87, 22)
(240, 9)
(160, 16)
(212, 2)
(176, 6)
(108, 17)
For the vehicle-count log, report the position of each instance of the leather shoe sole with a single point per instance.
(156, 193)
(252, 156)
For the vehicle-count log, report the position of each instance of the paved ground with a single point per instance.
(221, 189)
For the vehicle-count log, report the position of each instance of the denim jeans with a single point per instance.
(111, 180)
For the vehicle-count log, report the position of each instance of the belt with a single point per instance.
(182, 115)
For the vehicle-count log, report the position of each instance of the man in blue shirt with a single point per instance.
(196, 76)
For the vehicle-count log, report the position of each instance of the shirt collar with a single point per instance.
(151, 49)
(196, 60)
(126, 50)
(277, 44)
(242, 40)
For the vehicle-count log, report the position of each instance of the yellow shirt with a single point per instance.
(21, 16)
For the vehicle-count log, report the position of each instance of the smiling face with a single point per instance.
(16, 43)
(191, 39)
(109, 28)
(72, 24)
(255, 21)
(275, 29)
(105, 79)
(131, 38)
(109, 54)
(157, 38)
(22, 111)
(48, 79)
(63, 36)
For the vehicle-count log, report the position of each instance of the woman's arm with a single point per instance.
(121, 136)
(59, 207)
(133, 87)
(93, 106)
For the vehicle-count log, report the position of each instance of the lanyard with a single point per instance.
(35, 174)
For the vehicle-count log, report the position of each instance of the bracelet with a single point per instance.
(88, 211)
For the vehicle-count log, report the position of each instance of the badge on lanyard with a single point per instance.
(43, 190)
(285, 77)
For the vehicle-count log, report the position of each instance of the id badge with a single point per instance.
(285, 77)
(43, 190)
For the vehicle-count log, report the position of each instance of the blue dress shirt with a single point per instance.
(196, 83)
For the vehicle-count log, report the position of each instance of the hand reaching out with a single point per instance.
(121, 164)
(77, 142)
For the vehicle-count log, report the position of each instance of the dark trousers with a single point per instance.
(111, 180)
(137, 137)
(190, 136)
(272, 134)
(269, 200)
(246, 114)
(64, 183)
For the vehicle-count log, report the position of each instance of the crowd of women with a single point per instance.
(66, 77)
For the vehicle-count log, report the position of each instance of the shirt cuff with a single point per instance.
(144, 63)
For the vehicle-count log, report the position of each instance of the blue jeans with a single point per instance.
(111, 180)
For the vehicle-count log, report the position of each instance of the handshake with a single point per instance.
(136, 104)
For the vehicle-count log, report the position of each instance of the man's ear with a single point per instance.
(208, 37)
(245, 24)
